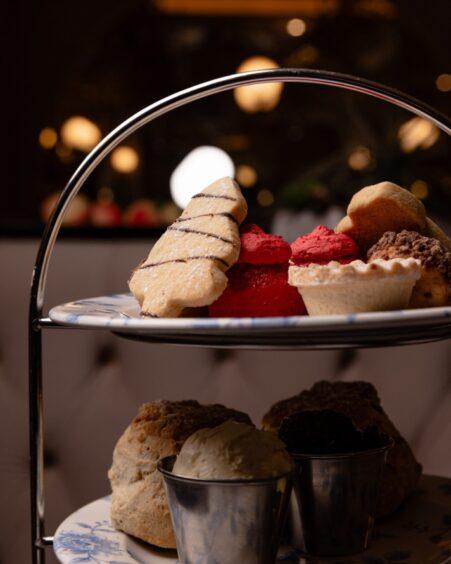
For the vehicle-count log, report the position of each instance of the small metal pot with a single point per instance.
(226, 521)
(333, 501)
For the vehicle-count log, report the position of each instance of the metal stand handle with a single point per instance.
(148, 114)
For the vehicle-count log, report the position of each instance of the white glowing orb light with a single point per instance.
(197, 170)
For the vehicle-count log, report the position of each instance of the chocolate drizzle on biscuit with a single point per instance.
(220, 214)
(217, 196)
(183, 260)
(198, 232)
(186, 267)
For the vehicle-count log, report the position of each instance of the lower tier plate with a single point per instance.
(120, 313)
(418, 533)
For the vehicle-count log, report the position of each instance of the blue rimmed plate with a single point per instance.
(88, 537)
(121, 313)
(419, 533)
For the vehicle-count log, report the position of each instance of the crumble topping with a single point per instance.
(404, 244)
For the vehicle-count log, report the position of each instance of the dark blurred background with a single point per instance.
(306, 147)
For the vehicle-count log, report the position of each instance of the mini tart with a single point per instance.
(356, 287)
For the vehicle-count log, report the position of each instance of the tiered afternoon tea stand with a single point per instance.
(120, 314)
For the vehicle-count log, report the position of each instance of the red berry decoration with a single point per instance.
(323, 245)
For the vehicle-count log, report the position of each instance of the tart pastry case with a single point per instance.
(399, 328)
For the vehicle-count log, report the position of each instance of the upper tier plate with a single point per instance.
(120, 313)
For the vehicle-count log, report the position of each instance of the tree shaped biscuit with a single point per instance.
(185, 267)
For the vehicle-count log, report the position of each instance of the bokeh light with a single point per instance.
(197, 170)
(246, 175)
(259, 97)
(265, 198)
(296, 27)
(443, 82)
(124, 159)
(360, 158)
(48, 138)
(420, 189)
(105, 194)
(80, 133)
(63, 151)
(417, 133)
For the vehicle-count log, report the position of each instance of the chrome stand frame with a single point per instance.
(36, 322)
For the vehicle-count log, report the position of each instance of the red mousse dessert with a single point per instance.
(323, 245)
(258, 282)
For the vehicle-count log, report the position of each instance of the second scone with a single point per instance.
(360, 402)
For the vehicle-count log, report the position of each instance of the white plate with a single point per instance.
(88, 537)
(121, 313)
(419, 533)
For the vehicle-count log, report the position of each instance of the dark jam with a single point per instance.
(327, 432)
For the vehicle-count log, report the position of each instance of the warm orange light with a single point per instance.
(105, 194)
(124, 159)
(370, 8)
(265, 198)
(48, 138)
(417, 133)
(443, 82)
(236, 142)
(259, 97)
(63, 151)
(274, 8)
(420, 189)
(296, 27)
(304, 56)
(359, 158)
(246, 175)
(80, 133)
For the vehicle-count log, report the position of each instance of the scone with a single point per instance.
(356, 287)
(360, 402)
(383, 207)
(186, 266)
(434, 286)
(139, 505)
